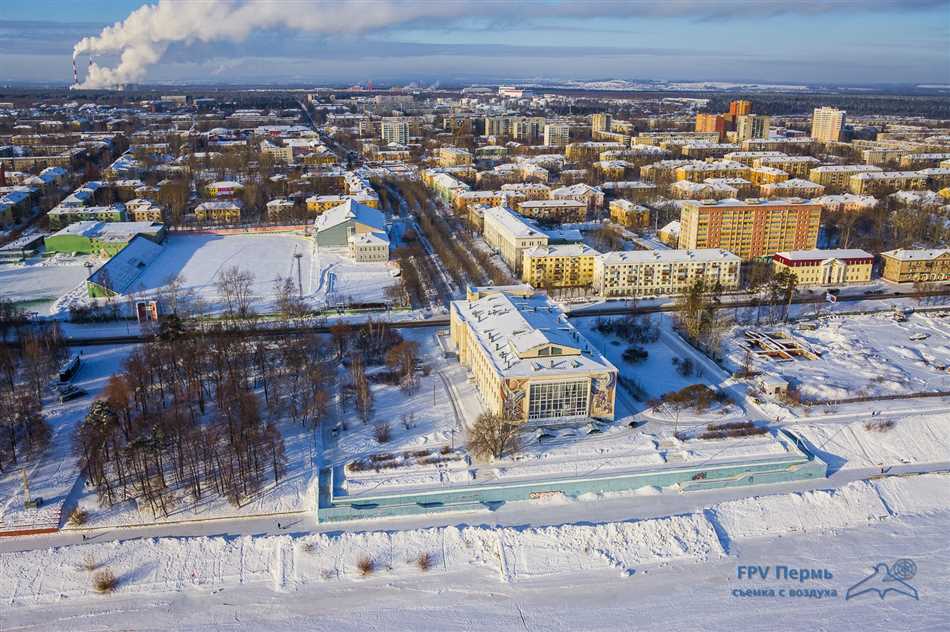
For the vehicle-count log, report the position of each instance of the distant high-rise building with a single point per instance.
(557, 134)
(600, 122)
(752, 126)
(711, 123)
(827, 124)
(740, 107)
(395, 130)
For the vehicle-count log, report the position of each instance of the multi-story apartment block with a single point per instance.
(527, 361)
(795, 187)
(453, 157)
(836, 177)
(916, 266)
(794, 166)
(825, 267)
(560, 211)
(642, 273)
(219, 212)
(923, 161)
(557, 134)
(593, 197)
(711, 189)
(827, 124)
(752, 126)
(559, 266)
(600, 122)
(846, 202)
(749, 157)
(707, 123)
(628, 214)
(882, 183)
(766, 175)
(740, 107)
(750, 229)
(702, 150)
(395, 129)
(510, 235)
(699, 171)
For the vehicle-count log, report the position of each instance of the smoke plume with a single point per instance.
(146, 34)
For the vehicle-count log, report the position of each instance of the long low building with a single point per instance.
(102, 238)
(529, 364)
(553, 210)
(825, 267)
(641, 273)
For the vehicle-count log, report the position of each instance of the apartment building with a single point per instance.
(752, 228)
(394, 129)
(836, 177)
(559, 266)
(825, 267)
(600, 122)
(593, 197)
(699, 171)
(916, 266)
(712, 189)
(882, 183)
(740, 107)
(553, 211)
(557, 134)
(219, 212)
(643, 273)
(709, 123)
(795, 187)
(752, 126)
(453, 157)
(510, 235)
(766, 175)
(628, 214)
(827, 124)
(846, 202)
(794, 166)
(527, 361)
(749, 157)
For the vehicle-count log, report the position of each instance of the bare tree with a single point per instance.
(492, 436)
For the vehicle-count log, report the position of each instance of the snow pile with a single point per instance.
(854, 505)
(923, 439)
(621, 545)
(919, 494)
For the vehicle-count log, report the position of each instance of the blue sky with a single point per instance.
(831, 41)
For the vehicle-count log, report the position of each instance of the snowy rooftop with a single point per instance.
(916, 255)
(823, 255)
(551, 204)
(512, 223)
(847, 168)
(778, 202)
(508, 327)
(701, 255)
(109, 231)
(120, 272)
(351, 209)
(562, 250)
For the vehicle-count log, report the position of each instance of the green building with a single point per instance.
(101, 238)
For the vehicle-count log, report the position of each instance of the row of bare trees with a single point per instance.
(25, 372)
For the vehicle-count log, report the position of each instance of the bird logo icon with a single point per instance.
(887, 579)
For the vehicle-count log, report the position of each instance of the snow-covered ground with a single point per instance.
(876, 443)
(324, 275)
(37, 284)
(599, 576)
(866, 355)
(53, 476)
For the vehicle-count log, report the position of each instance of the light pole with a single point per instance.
(297, 256)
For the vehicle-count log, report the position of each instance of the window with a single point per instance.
(563, 399)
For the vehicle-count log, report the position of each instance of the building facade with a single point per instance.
(825, 267)
(916, 266)
(642, 273)
(559, 266)
(510, 235)
(528, 363)
(750, 229)
(827, 124)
